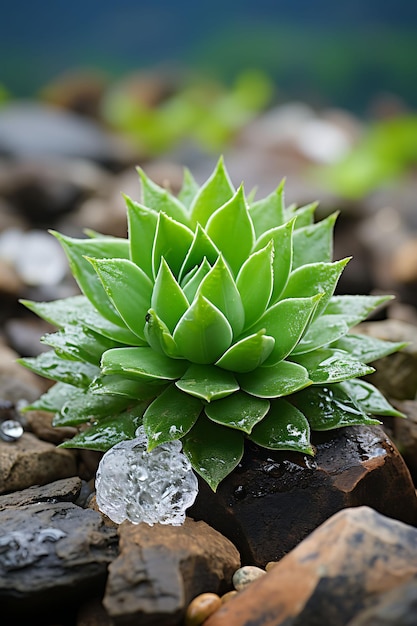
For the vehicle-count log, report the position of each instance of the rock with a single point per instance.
(64, 490)
(405, 434)
(52, 556)
(395, 608)
(396, 375)
(30, 461)
(246, 575)
(16, 382)
(201, 608)
(273, 500)
(339, 570)
(24, 334)
(34, 131)
(162, 568)
(40, 423)
(92, 613)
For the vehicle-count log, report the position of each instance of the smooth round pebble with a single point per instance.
(246, 575)
(270, 565)
(201, 608)
(229, 595)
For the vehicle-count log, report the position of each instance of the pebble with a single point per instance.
(201, 608)
(229, 595)
(270, 565)
(245, 575)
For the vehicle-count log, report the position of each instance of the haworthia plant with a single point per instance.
(215, 321)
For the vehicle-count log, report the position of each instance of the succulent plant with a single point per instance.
(214, 321)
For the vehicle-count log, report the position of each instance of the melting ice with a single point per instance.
(140, 486)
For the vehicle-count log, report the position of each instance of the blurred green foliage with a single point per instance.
(206, 113)
(386, 152)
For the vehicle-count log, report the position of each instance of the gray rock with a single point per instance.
(31, 130)
(162, 568)
(51, 554)
(64, 490)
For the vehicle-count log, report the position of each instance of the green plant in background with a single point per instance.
(204, 112)
(213, 322)
(386, 152)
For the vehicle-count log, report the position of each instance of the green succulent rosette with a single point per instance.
(213, 322)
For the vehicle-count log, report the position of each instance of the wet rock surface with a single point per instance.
(50, 555)
(273, 500)
(344, 566)
(65, 490)
(162, 568)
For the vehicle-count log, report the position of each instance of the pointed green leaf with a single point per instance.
(323, 331)
(54, 399)
(314, 243)
(158, 336)
(369, 398)
(86, 406)
(240, 411)
(142, 223)
(203, 333)
(207, 382)
(172, 241)
(330, 407)
(50, 365)
(128, 288)
(81, 344)
(304, 214)
(170, 416)
(366, 349)
(202, 247)
(248, 353)
(193, 280)
(282, 240)
(79, 310)
(160, 199)
(213, 450)
(189, 189)
(230, 224)
(215, 192)
(269, 212)
(255, 282)
(128, 388)
(168, 299)
(284, 428)
(142, 363)
(84, 273)
(107, 433)
(355, 308)
(286, 321)
(220, 289)
(275, 381)
(309, 280)
(331, 366)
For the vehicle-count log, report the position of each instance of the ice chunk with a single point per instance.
(141, 486)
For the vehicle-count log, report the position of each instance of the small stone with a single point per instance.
(64, 490)
(229, 595)
(11, 430)
(246, 575)
(270, 565)
(201, 608)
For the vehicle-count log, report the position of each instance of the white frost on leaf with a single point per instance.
(140, 486)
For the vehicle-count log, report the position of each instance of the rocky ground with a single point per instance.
(327, 542)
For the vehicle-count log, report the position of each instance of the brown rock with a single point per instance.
(162, 568)
(341, 568)
(273, 500)
(405, 434)
(396, 608)
(30, 461)
(40, 423)
(16, 382)
(65, 490)
(201, 607)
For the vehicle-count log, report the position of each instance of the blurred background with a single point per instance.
(322, 93)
